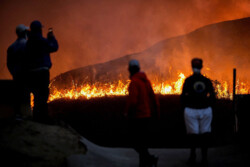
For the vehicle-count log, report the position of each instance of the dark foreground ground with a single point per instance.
(232, 155)
(102, 124)
(103, 128)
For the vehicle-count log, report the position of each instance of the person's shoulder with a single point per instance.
(135, 81)
(132, 84)
(12, 46)
(21, 42)
(206, 78)
(189, 78)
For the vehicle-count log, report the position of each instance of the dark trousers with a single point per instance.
(22, 95)
(38, 84)
(140, 137)
(202, 141)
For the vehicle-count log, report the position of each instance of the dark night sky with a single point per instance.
(94, 31)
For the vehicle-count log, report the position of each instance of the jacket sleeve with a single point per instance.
(155, 108)
(52, 44)
(184, 94)
(10, 64)
(212, 97)
(132, 99)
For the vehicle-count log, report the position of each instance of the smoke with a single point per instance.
(94, 31)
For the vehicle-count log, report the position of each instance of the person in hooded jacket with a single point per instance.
(198, 99)
(16, 52)
(15, 64)
(142, 107)
(38, 64)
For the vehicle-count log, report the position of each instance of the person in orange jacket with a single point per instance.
(142, 107)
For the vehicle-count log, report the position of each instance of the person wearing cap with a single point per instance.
(15, 64)
(38, 64)
(16, 51)
(142, 106)
(198, 98)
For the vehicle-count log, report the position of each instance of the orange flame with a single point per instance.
(87, 91)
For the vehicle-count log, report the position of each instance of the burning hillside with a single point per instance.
(222, 46)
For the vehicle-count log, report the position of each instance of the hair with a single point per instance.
(36, 26)
(21, 34)
(196, 63)
(133, 70)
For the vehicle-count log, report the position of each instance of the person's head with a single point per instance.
(133, 67)
(196, 65)
(21, 31)
(36, 26)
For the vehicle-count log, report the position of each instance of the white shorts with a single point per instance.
(198, 121)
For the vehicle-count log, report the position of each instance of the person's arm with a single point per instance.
(212, 97)
(184, 94)
(155, 102)
(10, 65)
(132, 99)
(52, 42)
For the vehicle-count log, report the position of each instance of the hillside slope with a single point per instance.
(223, 46)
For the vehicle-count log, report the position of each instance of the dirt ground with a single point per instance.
(232, 155)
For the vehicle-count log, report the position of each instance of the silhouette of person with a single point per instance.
(15, 56)
(38, 64)
(198, 98)
(142, 106)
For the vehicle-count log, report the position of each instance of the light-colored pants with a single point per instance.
(198, 121)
